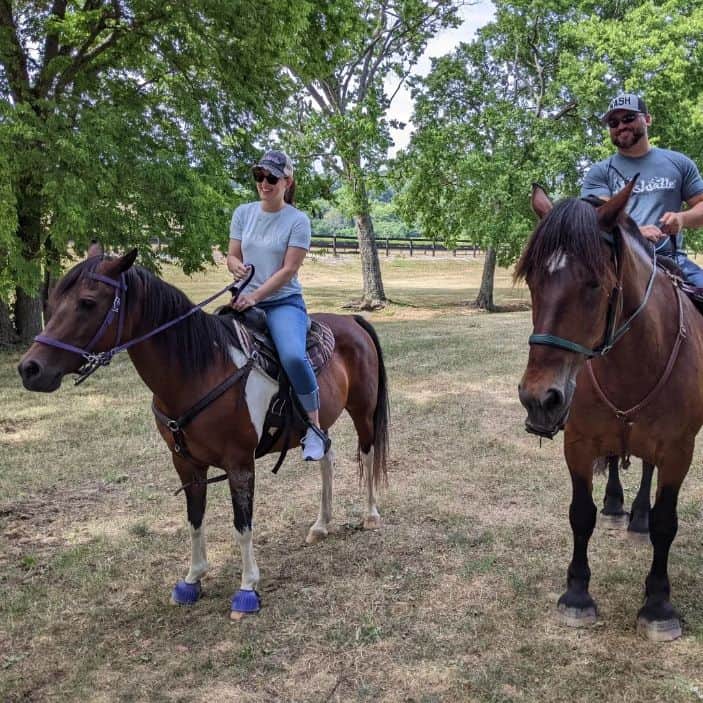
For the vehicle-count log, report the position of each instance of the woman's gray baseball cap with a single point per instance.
(625, 101)
(277, 163)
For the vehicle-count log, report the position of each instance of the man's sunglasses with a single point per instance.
(629, 118)
(260, 176)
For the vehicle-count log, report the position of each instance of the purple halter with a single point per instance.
(93, 361)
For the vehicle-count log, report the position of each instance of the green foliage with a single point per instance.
(126, 121)
(521, 104)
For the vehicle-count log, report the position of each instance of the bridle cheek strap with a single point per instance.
(93, 361)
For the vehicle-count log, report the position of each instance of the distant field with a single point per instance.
(452, 601)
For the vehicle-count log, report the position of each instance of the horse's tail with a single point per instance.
(381, 415)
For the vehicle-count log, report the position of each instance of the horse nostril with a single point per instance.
(29, 370)
(553, 399)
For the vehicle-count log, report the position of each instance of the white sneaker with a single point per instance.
(314, 445)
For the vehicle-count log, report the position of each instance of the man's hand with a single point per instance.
(652, 232)
(671, 222)
(243, 302)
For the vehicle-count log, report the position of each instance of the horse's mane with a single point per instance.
(571, 228)
(195, 343)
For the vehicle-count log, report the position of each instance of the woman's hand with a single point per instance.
(243, 302)
(236, 267)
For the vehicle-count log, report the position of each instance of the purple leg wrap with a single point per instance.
(186, 593)
(246, 602)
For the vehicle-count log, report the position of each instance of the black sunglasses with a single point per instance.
(259, 177)
(629, 118)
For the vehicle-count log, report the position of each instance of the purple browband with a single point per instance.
(97, 359)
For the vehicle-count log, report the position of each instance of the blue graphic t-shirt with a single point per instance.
(667, 180)
(265, 237)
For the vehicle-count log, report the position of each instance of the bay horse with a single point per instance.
(616, 360)
(103, 301)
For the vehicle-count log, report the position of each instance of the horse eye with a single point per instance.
(86, 303)
(593, 285)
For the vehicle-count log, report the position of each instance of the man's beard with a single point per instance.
(627, 139)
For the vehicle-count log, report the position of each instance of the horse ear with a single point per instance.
(119, 265)
(609, 213)
(95, 248)
(541, 204)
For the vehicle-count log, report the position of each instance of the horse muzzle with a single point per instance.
(547, 410)
(38, 377)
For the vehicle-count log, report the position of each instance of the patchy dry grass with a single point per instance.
(452, 601)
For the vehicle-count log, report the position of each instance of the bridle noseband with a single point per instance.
(612, 333)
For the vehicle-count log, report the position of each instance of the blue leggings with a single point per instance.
(287, 320)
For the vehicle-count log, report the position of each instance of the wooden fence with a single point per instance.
(345, 244)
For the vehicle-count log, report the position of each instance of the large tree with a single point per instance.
(344, 88)
(126, 120)
(521, 103)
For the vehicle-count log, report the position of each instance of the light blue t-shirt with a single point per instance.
(667, 180)
(265, 237)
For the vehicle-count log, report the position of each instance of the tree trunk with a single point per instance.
(484, 299)
(8, 335)
(28, 319)
(374, 296)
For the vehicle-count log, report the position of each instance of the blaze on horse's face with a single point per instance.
(569, 300)
(78, 306)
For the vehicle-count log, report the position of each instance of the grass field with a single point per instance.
(453, 600)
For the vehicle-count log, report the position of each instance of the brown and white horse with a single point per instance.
(181, 364)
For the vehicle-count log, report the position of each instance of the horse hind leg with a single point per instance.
(187, 591)
(638, 526)
(613, 512)
(319, 530)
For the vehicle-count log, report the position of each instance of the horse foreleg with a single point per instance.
(319, 529)
(641, 505)
(657, 619)
(614, 500)
(576, 607)
(188, 590)
(241, 483)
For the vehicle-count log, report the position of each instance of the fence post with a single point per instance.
(388, 247)
(433, 247)
(454, 251)
(334, 244)
(411, 247)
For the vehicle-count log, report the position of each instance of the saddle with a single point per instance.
(285, 415)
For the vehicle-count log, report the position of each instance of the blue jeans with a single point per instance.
(692, 272)
(288, 320)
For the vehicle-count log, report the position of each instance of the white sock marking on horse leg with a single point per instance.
(198, 554)
(258, 391)
(319, 529)
(373, 517)
(250, 571)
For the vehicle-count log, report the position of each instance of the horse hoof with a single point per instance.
(613, 522)
(373, 522)
(659, 630)
(244, 603)
(577, 617)
(315, 535)
(186, 593)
